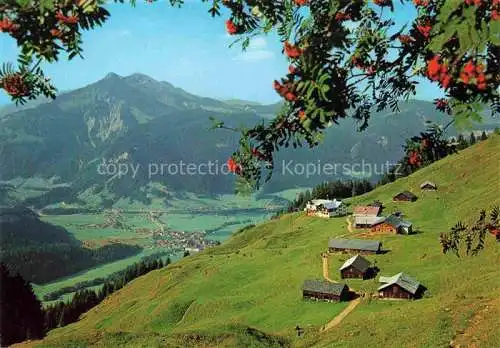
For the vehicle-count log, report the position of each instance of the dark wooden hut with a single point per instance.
(405, 196)
(400, 286)
(324, 290)
(356, 267)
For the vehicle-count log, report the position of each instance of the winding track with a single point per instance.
(338, 319)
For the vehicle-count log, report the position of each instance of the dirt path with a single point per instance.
(325, 268)
(185, 313)
(349, 224)
(338, 319)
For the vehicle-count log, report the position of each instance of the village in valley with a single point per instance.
(370, 220)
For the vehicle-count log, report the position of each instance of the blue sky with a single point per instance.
(186, 47)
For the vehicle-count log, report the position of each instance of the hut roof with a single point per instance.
(368, 220)
(403, 280)
(324, 287)
(397, 222)
(358, 262)
(367, 210)
(356, 244)
(428, 184)
(406, 194)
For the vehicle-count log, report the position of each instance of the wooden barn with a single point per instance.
(356, 267)
(400, 286)
(324, 290)
(367, 221)
(366, 216)
(361, 246)
(393, 224)
(405, 196)
(428, 186)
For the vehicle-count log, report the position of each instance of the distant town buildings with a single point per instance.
(325, 208)
(183, 241)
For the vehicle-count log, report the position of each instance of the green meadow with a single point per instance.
(247, 292)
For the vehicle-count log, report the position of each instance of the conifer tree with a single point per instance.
(472, 139)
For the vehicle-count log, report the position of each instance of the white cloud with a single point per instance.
(258, 43)
(256, 51)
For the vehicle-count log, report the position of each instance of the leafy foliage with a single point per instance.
(471, 237)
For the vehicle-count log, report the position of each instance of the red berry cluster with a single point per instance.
(425, 28)
(414, 158)
(474, 74)
(421, 3)
(370, 70)
(7, 26)
(293, 70)
(70, 20)
(342, 16)
(442, 105)
(357, 62)
(15, 85)
(474, 2)
(233, 166)
(285, 90)
(292, 51)
(438, 72)
(55, 32)
(302, 115)
(301, 2)
(494, 231)
(231, 28)
(495, 13)
(406, 39)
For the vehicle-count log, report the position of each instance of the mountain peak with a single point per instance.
(140, 78)
(112, 75)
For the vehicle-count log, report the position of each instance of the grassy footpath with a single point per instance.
(247, 292)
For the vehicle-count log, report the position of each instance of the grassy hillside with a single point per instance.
(247, 292)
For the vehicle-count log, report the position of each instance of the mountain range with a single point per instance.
(138, 121)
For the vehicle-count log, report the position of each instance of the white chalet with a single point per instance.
(325, 208)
